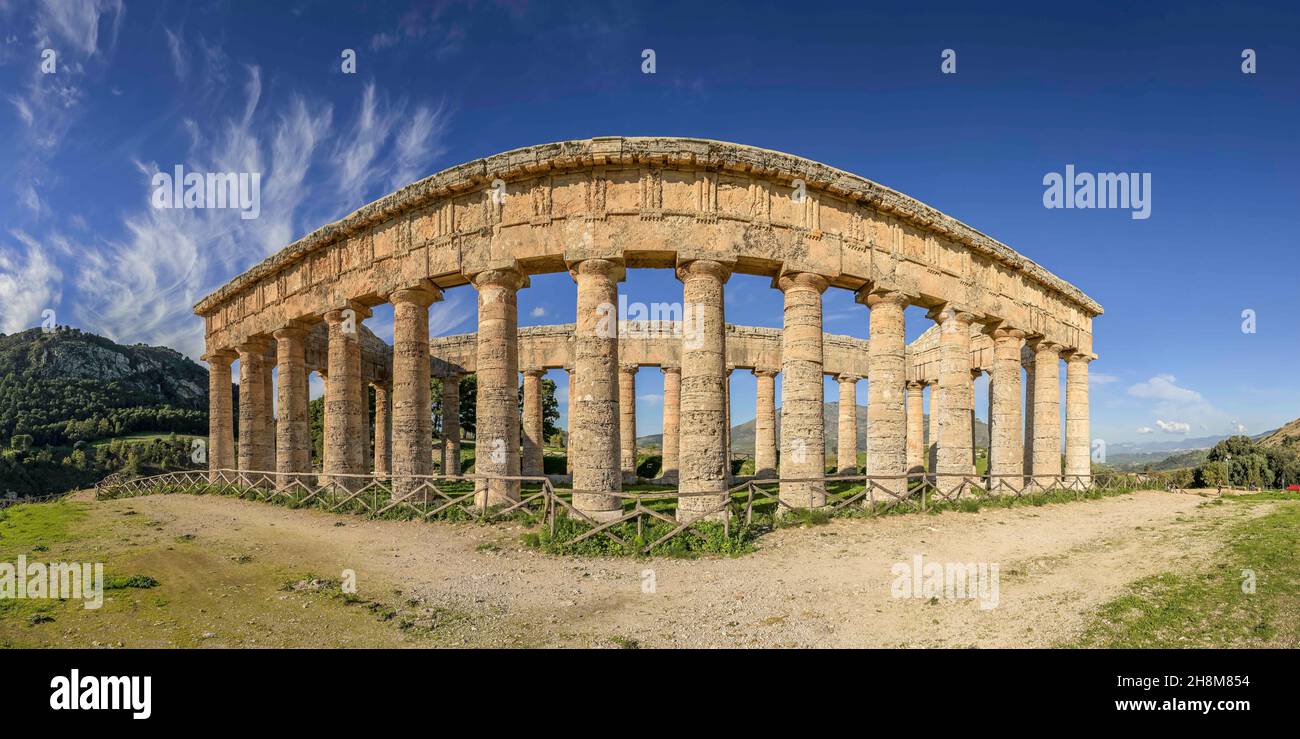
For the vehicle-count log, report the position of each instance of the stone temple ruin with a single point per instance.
(596, 208)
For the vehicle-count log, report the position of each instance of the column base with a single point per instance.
(601, 508)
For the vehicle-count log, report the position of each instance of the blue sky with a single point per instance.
(244, 86)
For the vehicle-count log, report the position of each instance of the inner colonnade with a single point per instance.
(596, 208)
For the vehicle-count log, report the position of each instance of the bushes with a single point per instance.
(1241, 463)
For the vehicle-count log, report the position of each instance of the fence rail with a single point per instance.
(470, 496)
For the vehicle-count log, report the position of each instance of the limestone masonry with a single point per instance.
(707, 209)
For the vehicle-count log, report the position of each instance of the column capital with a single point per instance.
(916, 384)
(1074, 355)
(1003, 332)
(255, 345)
(847, 378)
(613, 268)
(295, 329)
(217, 356)
(800, 281)
(1041, 345)
(760, 372)
(670, 370)
(628, 368)
(509, 278)
(945, 312)
(423, 293)
(359, 311)
(873, 296)
(718, 270)
(533, 372)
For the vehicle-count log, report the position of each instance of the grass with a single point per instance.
(712, 539)
(1212, 607)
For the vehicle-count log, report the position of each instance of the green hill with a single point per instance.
(66, 386)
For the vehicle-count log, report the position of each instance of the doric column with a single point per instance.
(672, 411)
(221, 420)
(383, 430)
(1078, 461)
(765, 424)
(345, 440)
(803, 434)
(1047, 413)
(568, 423)
(496, 429)
(847, 442)
(293, 424)
(975, 374)
(933, 463)
(627, 421)
(957, 397)
(533, 441)
(449, 448)
(1006, 457)
(703, 473)
(726, 424)
(412, 420)
(594, 433)
(1028, 437)
(886, 403)
(254, 426)
(915, 427)
(268, 402)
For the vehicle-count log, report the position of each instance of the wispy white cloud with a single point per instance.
(29, 283)
(1164, 387)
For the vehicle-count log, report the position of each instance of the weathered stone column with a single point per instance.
(886, 403)
(1028, 437)
(915, 428)
(268, 402)
(1078, 459)
(726, 424)
(847, 441)
(254, 441)
(703, 474)
(451, 425)
(221, 420)
(1047, 413)
(497, 416)
(975, 374)
(1006, 457)
(803, 434)
(345, 441)
(672, 411)
(933, 464)
(383, 430)
(293, 429)
(627, 421)
(533, 441)
(594, 429)
(412, 419)
(568, 423)
(765, 424)
(955, 388)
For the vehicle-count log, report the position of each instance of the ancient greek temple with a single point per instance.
(706, 209)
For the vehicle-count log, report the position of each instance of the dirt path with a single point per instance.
(817, 586)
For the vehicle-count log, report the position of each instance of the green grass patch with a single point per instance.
(25, 527)
(1212, 607)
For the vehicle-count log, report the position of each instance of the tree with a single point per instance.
(21, 442)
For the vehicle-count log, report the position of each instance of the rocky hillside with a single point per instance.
(1280, 436)
(67, 385)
